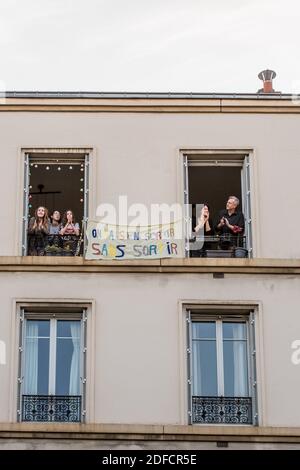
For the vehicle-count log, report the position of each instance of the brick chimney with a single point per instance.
(267, 76)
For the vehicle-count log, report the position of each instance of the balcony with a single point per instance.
(66, 409)
(222, 410)
(54, 245)
(218, 246)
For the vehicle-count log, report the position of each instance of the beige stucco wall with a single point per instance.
(138, 330)
(137, 154)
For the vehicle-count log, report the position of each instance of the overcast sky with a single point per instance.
(149, 45)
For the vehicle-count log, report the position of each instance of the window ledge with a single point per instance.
(185, 265)
(149, 432)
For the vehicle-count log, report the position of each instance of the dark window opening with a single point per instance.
(211, 182)
(57, 182)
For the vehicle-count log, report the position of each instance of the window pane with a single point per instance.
(204, 330)
(204, 368)
(68, 358)
(36, 367)
(64, 328)
(234, 330)
(235, 368)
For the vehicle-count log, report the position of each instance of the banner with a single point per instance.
(113, 242)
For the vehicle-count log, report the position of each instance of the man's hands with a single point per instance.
(223, 222)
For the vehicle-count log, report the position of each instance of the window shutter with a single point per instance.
(189, 363)
(20, 362)
(253, 379)
(86, 196)
(246, 199)
(83, 362)
(25, 204)
(187, 218)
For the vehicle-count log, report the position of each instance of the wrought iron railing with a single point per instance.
(218, 410)
(54, 245)
(218, 246)
(51, 408)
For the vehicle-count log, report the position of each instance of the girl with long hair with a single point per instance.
(38, 229)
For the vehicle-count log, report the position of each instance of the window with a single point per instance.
(57, 179)
(221, 369)
(211, 177)
(52, 366)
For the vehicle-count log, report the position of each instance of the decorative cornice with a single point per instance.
(148, 432)
(191, 265)
(148, 103)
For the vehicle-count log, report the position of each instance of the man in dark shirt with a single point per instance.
(230, 224)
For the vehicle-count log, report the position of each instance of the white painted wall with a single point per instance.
(137, 155)
(139, 340)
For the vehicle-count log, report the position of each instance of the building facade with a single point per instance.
(177, 353)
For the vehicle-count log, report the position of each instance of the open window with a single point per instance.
(211, 177)
(57, 180)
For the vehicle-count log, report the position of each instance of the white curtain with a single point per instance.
(31, 359)
(196, 364)
(74, 387)
(240, 361)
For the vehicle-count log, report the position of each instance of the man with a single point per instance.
(230, 223)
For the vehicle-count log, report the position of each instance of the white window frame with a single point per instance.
(228, 158)
(64, 154)
(194, 315)
(45, 314)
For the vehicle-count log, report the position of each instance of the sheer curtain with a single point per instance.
(74, 388)
(196, 371)
(240, 361)
(31, 358)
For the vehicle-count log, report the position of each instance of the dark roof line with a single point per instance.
(152, 95)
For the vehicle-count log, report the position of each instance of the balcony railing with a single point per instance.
(54, 245)
(51, 408)
(218, 246)
(222, 410)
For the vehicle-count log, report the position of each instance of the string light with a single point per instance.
(59, 168)
(70, 167)
(81, 200)
(35, 166)
(81, 169)
(81, 189)
(81, 179)
(47, 168)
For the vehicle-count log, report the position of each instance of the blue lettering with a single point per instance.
(120, 248)
(152, 249)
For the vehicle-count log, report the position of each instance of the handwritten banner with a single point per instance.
(112, 242)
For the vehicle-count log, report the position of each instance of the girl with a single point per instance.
(69, 227)
(38, 229)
